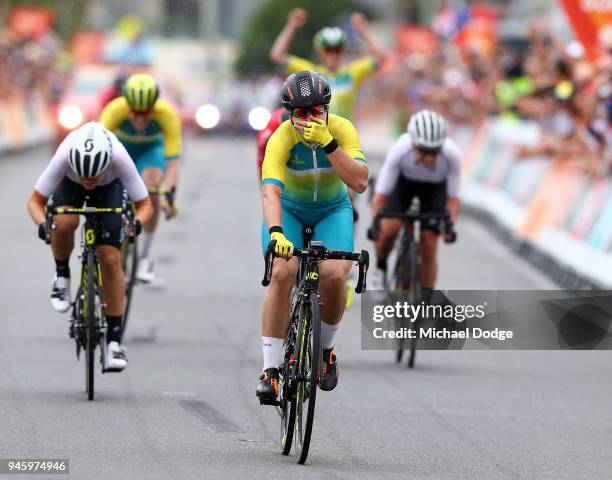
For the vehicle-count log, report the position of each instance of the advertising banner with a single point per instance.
(30, 21)
(587, 18)
(552, 205)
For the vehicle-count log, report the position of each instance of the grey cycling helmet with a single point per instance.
(305, 89)
(427, 130)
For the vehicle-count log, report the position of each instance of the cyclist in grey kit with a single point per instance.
(422, 163)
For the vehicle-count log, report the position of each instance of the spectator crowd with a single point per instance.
(538, 77)
(30, 67)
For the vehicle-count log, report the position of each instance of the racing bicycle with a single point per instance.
(302, 352)
(87, 322)
(406, 280)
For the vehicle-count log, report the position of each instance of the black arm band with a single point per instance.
(331, 146)
(275, 229)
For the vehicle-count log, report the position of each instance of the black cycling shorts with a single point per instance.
(109, 227)
(432, 197)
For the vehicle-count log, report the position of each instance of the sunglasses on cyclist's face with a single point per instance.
(427, 151)
(144, 114)
(333, 49)
(312, 111)
(90, 182)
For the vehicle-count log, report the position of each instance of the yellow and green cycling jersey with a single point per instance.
(164, 127)
(305, 174)
(344, 82)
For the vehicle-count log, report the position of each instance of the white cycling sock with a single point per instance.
(328, 332)
(146, 239)
(272, 348)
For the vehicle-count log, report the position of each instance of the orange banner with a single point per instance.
(31, 21)
(86, 46)
(587, 18)
(415, 38)
(480, 33)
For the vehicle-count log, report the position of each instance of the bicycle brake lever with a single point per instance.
(364, 263)
(269, 261)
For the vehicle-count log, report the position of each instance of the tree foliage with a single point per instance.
(270, 18)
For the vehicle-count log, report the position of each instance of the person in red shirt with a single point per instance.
(278, 117)
(112, 91)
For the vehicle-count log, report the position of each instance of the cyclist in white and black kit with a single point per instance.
(422, 163)
(91, 165)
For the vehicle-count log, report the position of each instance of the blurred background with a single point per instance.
(525, 84)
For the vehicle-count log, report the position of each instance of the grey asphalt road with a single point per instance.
(185, 407)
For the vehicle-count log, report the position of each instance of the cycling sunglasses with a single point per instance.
(313, 111)
(428, 151)
(333, 49)
(95, 179)
(141, 114)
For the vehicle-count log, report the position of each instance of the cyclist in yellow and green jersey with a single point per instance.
(311, 160)
(344, 78)
(330, 47)
(150, 130)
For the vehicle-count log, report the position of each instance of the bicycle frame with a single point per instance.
(408, 263)
(88, 246)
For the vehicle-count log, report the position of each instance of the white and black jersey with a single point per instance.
(121, 166)
(402, 161)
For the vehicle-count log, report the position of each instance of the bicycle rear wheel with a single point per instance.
(308, 360)
(90, 323)
(130, 266)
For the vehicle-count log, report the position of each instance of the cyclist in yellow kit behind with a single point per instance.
(150, 130)
(330, 46)
(310, 161)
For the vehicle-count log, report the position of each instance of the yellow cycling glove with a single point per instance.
(283, 248)
(317, 132)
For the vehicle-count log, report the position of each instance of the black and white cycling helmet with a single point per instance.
(427, 130)
(90, 150)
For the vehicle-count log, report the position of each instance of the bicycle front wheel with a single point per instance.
(287, 392)
(402, 285)
(309, 358)
(414, 295)
(90, 324)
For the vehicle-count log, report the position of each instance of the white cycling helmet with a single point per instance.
(329, 37)
(427, 129)
(90, 150)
